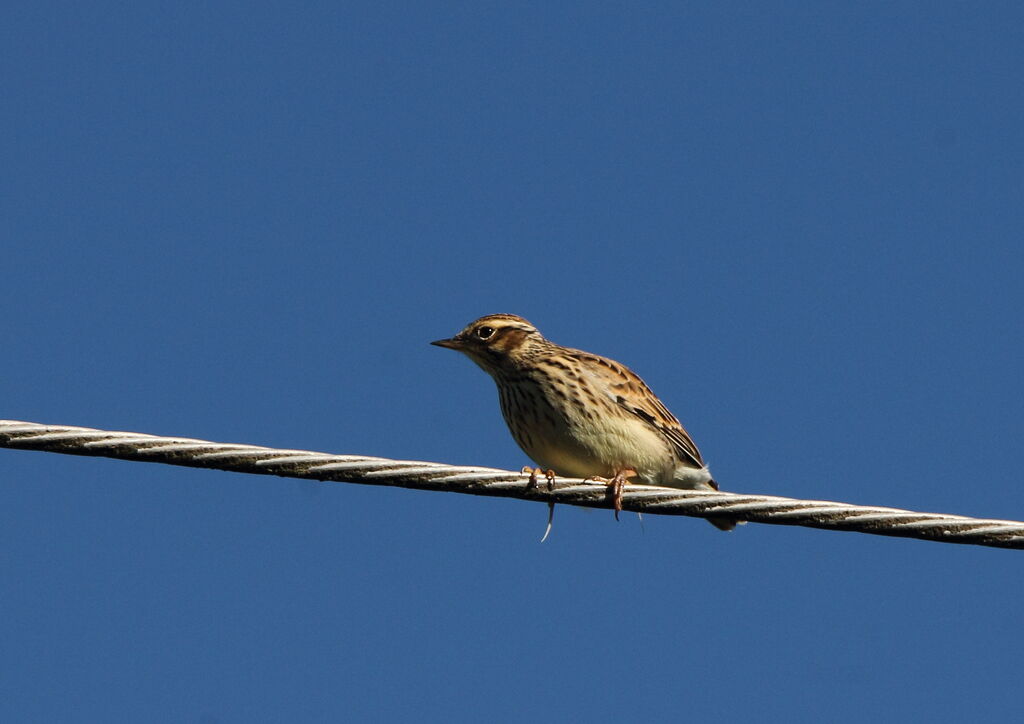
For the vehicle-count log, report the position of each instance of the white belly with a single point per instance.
(603, 448)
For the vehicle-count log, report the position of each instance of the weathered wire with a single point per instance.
(507, 484)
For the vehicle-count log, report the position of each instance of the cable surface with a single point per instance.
(419, 475)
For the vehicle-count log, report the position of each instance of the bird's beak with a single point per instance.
(453, 343)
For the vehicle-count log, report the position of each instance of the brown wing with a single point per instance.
(628, 391)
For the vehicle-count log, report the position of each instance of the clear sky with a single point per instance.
(801, 223)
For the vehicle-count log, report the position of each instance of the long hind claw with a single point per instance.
(551, 517)
(535, 474)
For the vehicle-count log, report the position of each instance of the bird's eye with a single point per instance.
(484, 332)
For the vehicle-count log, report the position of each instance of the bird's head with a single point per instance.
(496, 342)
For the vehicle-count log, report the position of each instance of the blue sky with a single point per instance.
(801, 223)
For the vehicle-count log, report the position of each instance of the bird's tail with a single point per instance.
(723, 523)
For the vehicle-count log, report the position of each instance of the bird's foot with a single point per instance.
(549, 475)
(615, 487)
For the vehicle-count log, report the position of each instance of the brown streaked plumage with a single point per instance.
(580, 414)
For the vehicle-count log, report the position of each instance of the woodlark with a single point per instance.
(581, 415)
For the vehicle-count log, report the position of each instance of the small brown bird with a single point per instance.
(582, 415)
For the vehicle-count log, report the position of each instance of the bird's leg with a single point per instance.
(615, 486)
(550, 475)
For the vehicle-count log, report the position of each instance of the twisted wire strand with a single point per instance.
(419, 475)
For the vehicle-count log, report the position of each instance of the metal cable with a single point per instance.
(507, 484)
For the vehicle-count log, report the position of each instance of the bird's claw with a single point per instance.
(549, 475)
(551, 517)
(615, 487)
